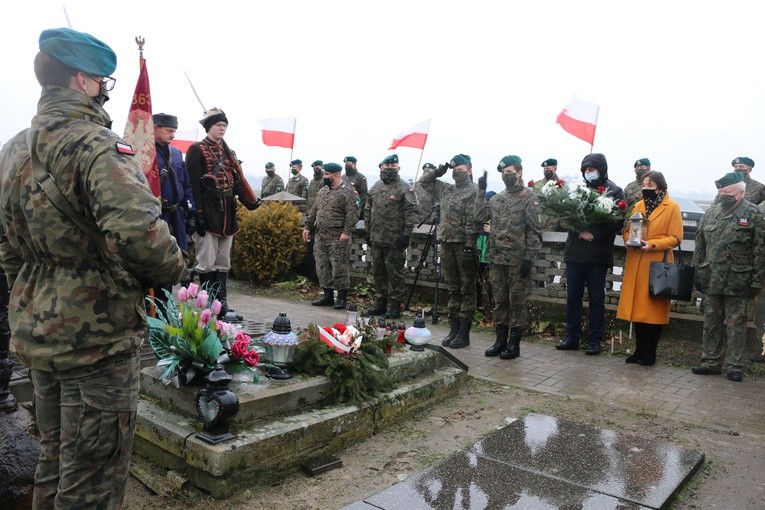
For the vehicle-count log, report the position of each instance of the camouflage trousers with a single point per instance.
(724, 336)
(510, 295)
(333, 261)
(460, 270)
(86, 418)
(388, 272)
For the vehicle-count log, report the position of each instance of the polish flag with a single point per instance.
(279, 132)
(414, 137)
(184, 139)
(139, 129)
(580, 119)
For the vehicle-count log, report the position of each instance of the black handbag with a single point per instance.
(671, 280)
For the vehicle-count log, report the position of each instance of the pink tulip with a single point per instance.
(205, 317)
(183, 294)
(193, 289)
(202, 299)
(216, 306)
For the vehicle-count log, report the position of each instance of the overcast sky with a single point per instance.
(679, 82)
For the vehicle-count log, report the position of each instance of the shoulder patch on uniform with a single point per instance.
(743, 222)
(124, 148)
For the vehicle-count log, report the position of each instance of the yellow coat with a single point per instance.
(665, 231)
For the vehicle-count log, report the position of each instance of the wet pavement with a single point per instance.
(518, 467)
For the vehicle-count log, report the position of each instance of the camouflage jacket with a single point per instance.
(298, 185)
(335, 211)
(73, 304)
(359, 183)
(458, 222)
(755, 190)
(633, 193)
(314, 186)
(515, 235)
(730, 250)
(425, 203)
(271, 185)
(391, 211)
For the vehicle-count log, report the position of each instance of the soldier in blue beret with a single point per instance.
(458, 235)
(77, 293)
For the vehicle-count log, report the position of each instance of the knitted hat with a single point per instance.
(79, 51)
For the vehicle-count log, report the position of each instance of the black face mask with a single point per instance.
(388, 175)
(727, 201)
(328, 181)
(650, 194)
(549, 174)
(510, 180)
(294, 171)
(270, 173)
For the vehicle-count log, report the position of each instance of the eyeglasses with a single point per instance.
(108, 82)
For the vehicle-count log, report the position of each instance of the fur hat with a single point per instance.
(165, 120)
(212, 117)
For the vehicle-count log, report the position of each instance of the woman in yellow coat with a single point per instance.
(664, 232)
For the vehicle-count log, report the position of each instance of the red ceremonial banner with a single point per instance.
(139, 130)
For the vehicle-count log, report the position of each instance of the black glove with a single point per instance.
(526, 268)
(402, 242)
(201, 230)
(468, 250)
(250, 206)
(191, 222)
(482, 181)
(441, 170)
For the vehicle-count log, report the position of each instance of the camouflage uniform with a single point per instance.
(359, 183)
(425, 203)
(271, 185)
(755, 190)
(390, 215)
(729, 260)
(515, 236)
(546, 222)
(298, 185)
(457, 234)
(314, 187)
(633, 193)
(334, 212)
(77, 313)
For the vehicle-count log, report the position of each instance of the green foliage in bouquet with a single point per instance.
(269, 246)
(578, 206)
(356, 377)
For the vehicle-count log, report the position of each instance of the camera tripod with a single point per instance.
(436, 212)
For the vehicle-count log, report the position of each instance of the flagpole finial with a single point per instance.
(140, 41)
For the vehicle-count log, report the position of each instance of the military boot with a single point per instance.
(501, 342)
(513, 349)
(227, 313)
(454, 328)
(463, 336)
(327, 300)
(394, 310)
(380, 307)
(340, 301)
(206, 280)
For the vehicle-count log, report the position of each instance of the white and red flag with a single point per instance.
(139, 129)
(414, 137)
(580, 119)
(279, 132)
(184, 139)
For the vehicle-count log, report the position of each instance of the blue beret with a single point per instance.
(642, 162)
(318, 162)
(743, 160)
(390, 160)
(550, 162)
(429, 166)
(332, 168)
(728, 179)
(296, 162)
(508, 161)
(460, 159)
(349, 159)
(270, 164)
(79, 51)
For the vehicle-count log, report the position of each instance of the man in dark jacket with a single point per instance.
(588, 255)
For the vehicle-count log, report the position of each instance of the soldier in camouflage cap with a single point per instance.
(389, 220)
(331, 221)
(77, 312)
(457, 233)
(729, 260)
(514, 241)
(272, 183)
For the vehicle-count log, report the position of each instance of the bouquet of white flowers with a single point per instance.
(578, 206)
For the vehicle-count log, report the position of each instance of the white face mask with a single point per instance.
(591, 176)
